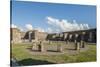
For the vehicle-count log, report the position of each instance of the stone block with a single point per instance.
(77, 46)
(59, 48)
(34, 46)
(82, 44)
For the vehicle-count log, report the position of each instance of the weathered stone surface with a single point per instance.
(30, 36)
(15, 35)
(42, 47)
(39, 47)
(34, 46)
(59, 48)
(18, 36)
(82, 44)
(77, 46)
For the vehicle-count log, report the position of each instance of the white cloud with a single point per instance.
(64, 25)
(39, 29)
(21, 29)
(13, 26)
(49, 30)
(29, 27)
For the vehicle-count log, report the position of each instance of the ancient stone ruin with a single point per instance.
(79, 38)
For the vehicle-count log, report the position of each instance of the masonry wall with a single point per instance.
(18, 36)
(42, 35)
(15, 35)
(89, 35)
(35, 35)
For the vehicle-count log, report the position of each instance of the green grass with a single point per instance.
(25, 58)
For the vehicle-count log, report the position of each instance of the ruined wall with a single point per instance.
(35, 35)
(18, 36)
(41, 36)
(15, 35)
(89, 35)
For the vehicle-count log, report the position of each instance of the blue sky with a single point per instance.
(36, 14)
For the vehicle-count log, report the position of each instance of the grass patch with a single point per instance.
(87, 56)
(25, 58)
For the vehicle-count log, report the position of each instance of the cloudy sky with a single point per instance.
(47, 17)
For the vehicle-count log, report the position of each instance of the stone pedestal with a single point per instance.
(30, 36)
(50, 42)
(59, 48)
(75, 41)
(41, 47)
(82, 44)
(77, 46)
(34, 46)
(68, 42)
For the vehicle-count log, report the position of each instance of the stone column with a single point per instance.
(82, 44)
(70, 37)
(30, 38)
(34, 46)
(66, 38)
(41, 47)
(50, 42)
(77, 47)
(83, 40)
(90, 36)
(59, 47)
(77, 43)
(67, 42)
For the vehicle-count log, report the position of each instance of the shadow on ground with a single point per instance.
(52, 51)
(30, 61)
(69, 49)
